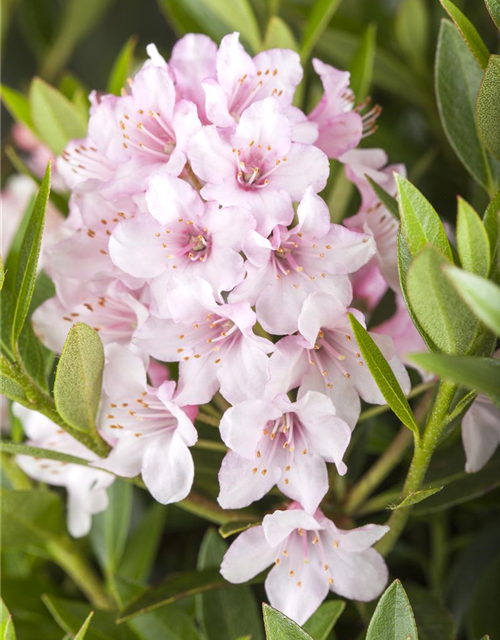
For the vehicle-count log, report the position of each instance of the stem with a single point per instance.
(420, 463)
(193, 177)
(80, 571)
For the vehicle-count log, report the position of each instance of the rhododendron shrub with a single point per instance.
(204, 320)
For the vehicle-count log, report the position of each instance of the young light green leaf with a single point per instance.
(237, 15)
(30, 518)
(227, 613)
(235, 526)
(414, 498)
(421, 223)
(279, 35)
(390, 203)
(468, 32)
(17, 105)
(278, 626)
(28, 259)
(56, 119)
(77, 387)
(319, 17)
(493, 7)
(438, 307)
(320, 624)
(488, 107)
(83, 630)
(458, 77)
(384, 376)
(412, 30)
(472, 241)
(362, 64)
(393, 617)
(7, 631)
(481, 295)
(122, 67)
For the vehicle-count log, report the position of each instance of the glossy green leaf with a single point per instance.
(28, 259)
(478, 374)
(30, 517)
(458, 78)
(84, 628)
(56, 119)
(278, 626)
(472, 241)
(175, 588)
(227, 613)
(320, 624)
(389, 202)
(320, 15)
(279, 35)
(109, 532)
(362, 64)
(493, 7)
(414, 498)
(412, 30)
(488, 107)
(7, 631)
(393, 617)
(468, 32)
(77, 387)
(432, 617)
(17, 104)
(481, 295)
(437, 306)
(383, 376)
(122, 67)
(420, 222)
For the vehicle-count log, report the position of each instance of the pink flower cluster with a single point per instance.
(196, 236)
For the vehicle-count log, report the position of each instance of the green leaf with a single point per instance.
(362, 64)
(393, 617)
(484, 614)
(421, 223)
(437, 306)
(28, 259)
(493, 7)
(56, 119)
(180, 19)
(10, 386)
(384, 376)
(481, 295)
(278, 626)
(279, 35)
(390, 203)
(432, 618)
(7, 631)
(228, 613)
(478, 374)
(472, 241)
(412, 30)
(37, 359)
(77, 387)
(122, 67)
(30, 517)
(319, 17)
(17, 105)
(322, 621)
(414, 498)
(235, 526)
(458, 77)
(491, 221)
(2, 273)
(236, 15)
(173, 589)
(109, 532)
(169, 623)
(488, 107)
(468, 32)
(22, 449)
(83, 629)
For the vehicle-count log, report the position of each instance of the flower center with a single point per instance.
(149, 133)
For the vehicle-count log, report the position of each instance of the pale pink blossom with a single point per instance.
(281, 442)
(311, 557)
(214, 344)
(86, 486)
(258, 166)
(153, 434)
(314, 255)
(368, 286)
(480, 433)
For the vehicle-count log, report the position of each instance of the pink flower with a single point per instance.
(242, 81)
(281, 442)
(183, 237)
(369, 286)
(152, 432)
(258, 166)
(214, 344)
(284, 270)
(480, 433)
(86, 486)
(326, 358)
(311, 557)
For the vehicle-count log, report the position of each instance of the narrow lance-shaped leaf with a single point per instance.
(7, 631)
(279, 35)
(237, 15)
(393, 617)
(472, 240)
(362, 65)
(28, 259)
(22, 449)
(319, 17)
(493, 7)
(122, 67)
(389, 202)
(481, 295)
(414, 498)
(18, 106)
(77, 387)
(491, 221)
(83, 631)
(278, 626)
(384, 376)
(320, 624)
(488, 107)
(30, 517)
(468, 32)
(412, 30)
